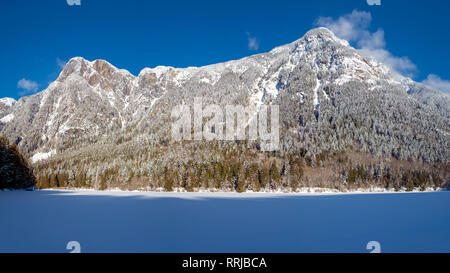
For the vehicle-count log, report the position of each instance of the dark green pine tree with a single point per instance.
(274, 176)
(15, 172)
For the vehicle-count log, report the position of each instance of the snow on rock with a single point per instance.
(41, 156)
(316, 94)
(7, 118)
(158, 71)
(8, 101)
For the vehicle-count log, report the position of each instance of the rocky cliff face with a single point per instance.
(6, 105)
(330, 96)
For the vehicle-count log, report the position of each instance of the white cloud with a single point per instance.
(436, 82)
(61, 63)
(399, 65)
(27, 85)
(354, 27)
(253, 43)
(374, 2)
(73, 2)
(350, 26)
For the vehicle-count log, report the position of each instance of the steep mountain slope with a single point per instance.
(430, 96)
(331, 99)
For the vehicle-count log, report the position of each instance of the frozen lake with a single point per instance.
(45, 221)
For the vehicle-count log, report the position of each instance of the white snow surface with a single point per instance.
(116, 221)
(41, 156)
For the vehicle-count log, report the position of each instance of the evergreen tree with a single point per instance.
(274, 176)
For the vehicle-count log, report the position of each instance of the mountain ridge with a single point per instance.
(331, 99)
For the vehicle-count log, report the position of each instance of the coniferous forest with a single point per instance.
(15, 171)
(192, 166)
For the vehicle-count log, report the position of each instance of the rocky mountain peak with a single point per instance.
(74, 65)
(323, 34)
(92, 71)
(8, 101)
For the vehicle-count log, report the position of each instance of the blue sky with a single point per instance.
(37, 37)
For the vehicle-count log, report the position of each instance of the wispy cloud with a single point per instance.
(374, 2)
(253, 43)
(354, 27)
(61, 63)
(27, 86)
(73, 2)
(436, 82)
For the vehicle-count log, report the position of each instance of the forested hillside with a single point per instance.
(15, 172)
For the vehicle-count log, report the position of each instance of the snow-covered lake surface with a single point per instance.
(45, 221)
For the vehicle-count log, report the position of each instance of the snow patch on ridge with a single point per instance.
(8, 101)
(41, 156)
(316, 94)
(7, 118)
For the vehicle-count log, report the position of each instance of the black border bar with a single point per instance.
(226, 262)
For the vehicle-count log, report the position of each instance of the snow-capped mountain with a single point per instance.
(7, 102)
(330, 97)
(5, 105)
